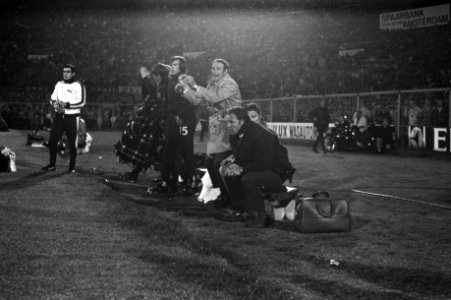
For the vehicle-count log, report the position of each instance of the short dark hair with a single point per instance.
(69, 66)
(161, 70)
(240, 113)
(182, 61)
(253, 106)
(223, 62)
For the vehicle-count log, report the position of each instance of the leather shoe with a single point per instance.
(48, 168)
(158, 190)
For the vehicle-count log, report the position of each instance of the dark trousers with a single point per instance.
(178, 138)
(319, 139)
(213, 163)
(64, 124)
(247, 189)
(203, 129)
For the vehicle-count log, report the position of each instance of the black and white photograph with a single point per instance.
(225, 149)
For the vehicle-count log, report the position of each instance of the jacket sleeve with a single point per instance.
(54, 96)
(79, 99)
(226, 90)
(191, 96)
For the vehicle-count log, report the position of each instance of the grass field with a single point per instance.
(70, 236)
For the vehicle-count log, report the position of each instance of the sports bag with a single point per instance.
(319, 214)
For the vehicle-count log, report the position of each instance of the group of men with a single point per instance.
(242, 155)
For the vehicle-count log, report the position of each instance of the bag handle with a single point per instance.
(332, 209)
(320, 193)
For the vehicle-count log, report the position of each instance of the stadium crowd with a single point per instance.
(274, 53)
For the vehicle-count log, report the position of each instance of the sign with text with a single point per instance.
(415, 18)
(299, 131)
(432, 138)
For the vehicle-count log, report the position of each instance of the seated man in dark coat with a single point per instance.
(252, 165)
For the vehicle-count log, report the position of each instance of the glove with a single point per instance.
(178, 121)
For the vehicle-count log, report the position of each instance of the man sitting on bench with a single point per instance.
(254, 163)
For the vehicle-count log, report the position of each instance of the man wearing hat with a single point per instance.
(67, 99)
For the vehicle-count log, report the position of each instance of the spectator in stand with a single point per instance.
(385, 136)
(366, 112)
(414, 118)
(426, 112)
(362, 124)
(320, 117)
(222, 92)
(3, 125)
(439, 114)
(413, 114)
(254, 112)
(99, 117)
(37, 119)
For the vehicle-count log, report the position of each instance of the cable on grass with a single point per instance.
(360, 191)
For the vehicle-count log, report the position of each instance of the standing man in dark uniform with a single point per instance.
(180, 128)
(68, 97)
(320, 117)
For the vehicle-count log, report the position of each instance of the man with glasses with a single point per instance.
(68, 97)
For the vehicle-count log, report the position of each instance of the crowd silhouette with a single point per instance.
(275, 53)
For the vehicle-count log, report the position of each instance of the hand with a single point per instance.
(58, 107)
(233, 170)
(182, 77)
(178, 121)
(190, 80)
(179, 88)
(144, 72)
(228, 160)
(61, 103)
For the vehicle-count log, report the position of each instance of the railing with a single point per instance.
(295, 109)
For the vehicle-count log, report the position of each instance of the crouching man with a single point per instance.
(252, 165)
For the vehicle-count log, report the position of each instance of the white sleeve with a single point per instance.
(54, 96)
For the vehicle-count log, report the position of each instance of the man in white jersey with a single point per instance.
(68, 97)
